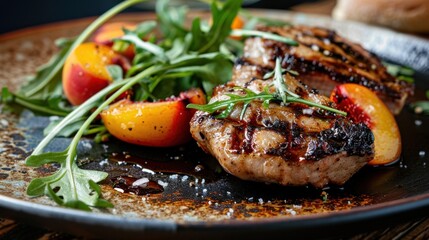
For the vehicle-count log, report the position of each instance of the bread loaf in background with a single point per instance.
(403, 15)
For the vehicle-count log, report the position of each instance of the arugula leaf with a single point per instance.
(45, 75)
(76, 177)
(143, 45)
(77, 196)
(215, 71)
(70, 186)
(73, 184)
(145, 28)
(214, 74)
(73, 187)
(72, 128)
(142, 30)
(221, 26)
(51, 106)
(171, 20)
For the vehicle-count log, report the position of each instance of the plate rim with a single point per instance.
(408, 208)
(412, 205)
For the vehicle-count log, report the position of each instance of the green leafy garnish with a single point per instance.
(266, 35)
(47, 81)
(253, 21)
(70, 186)
(43, 92)
(271, 74)
(49, 77)
(282, 95)
(50, 99)
(217, 34)
(421, 107)
(226, 106)
(52, 106)
(182, 59)
(280, 84)
(400, 72)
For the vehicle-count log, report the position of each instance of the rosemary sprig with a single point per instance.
(226, 106)
(266, 35)
(282, 94)
(271, 74)
(280, 83)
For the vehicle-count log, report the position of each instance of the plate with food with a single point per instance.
(232, 122)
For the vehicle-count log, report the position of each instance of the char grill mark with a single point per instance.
(324, 59)
(313, 135)
(291, 144)
(280, 146)
(355, 139)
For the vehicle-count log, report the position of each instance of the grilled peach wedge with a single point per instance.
(109, 31)
(156, 124)
(363, 105)
(85, 72)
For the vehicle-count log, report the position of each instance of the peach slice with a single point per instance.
(109, 31)
(237, 23)
(85, 72)
(363, 105)
(155, 124)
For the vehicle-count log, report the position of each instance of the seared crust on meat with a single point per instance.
(325, 59)
(263, 164)
(289, 145)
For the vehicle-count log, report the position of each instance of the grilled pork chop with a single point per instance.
(324, 60)
(289, 145)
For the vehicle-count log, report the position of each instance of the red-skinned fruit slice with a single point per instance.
(109, 31)
(362, 105)
(155, 124)
(85, 71)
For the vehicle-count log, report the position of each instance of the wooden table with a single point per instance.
(416, 229)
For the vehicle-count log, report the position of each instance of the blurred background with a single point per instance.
(26, 13)
(410, 16)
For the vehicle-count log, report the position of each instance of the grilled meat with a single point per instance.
(289, 145)
(325, 59)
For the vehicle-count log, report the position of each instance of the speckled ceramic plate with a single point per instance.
(190, 197)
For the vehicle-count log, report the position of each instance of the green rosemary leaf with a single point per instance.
(271, 74)
(266, 35)
(280, 83)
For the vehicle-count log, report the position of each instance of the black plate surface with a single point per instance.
(209, 203)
